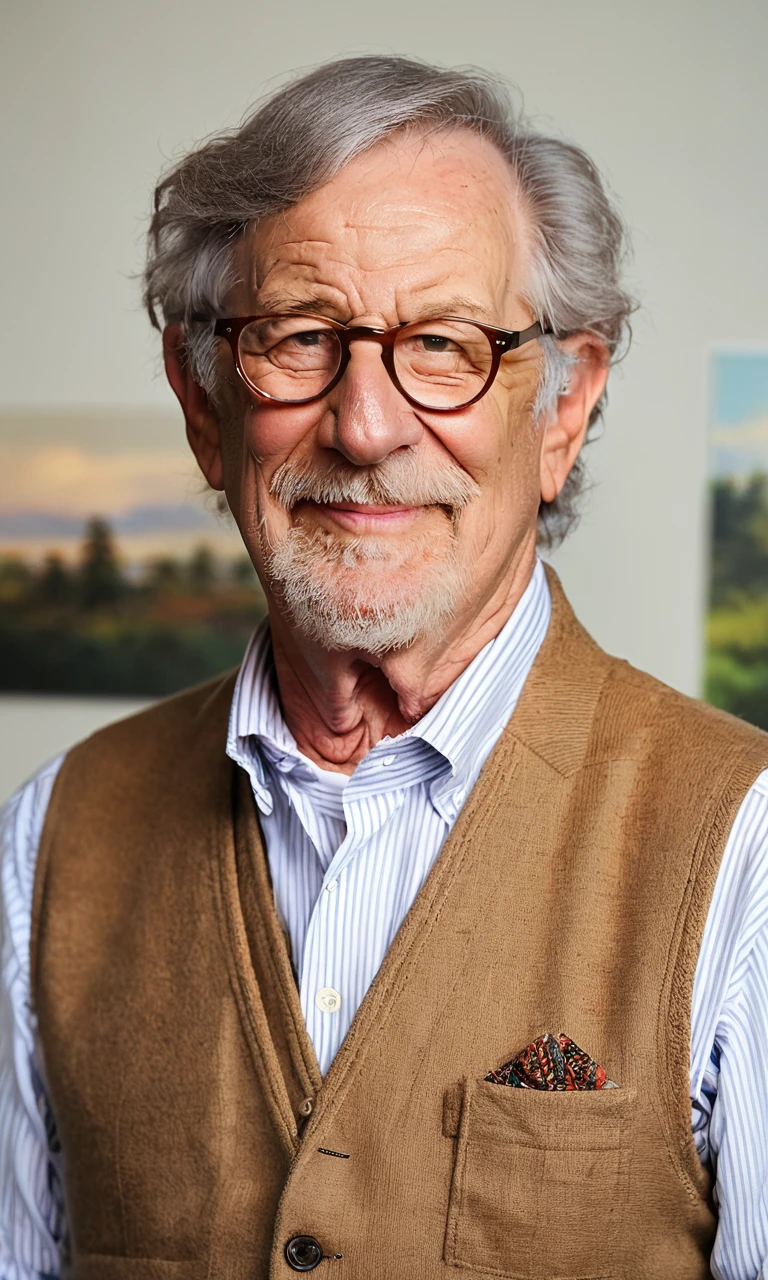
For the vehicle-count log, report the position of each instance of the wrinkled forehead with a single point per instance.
(414, 216)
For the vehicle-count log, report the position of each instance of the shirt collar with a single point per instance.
(256, 713)
(459, 728)
(472, 712)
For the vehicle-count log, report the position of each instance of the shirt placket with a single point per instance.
(332, 944)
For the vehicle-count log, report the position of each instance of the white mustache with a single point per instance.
(401, 480)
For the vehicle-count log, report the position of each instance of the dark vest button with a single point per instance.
(303, 1253)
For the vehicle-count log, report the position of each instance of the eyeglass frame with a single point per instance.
(501, 342)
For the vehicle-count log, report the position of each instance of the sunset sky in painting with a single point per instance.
(131, 466)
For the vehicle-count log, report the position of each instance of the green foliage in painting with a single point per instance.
(737, 628)
(91, 628)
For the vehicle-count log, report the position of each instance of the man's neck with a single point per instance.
(338, 705)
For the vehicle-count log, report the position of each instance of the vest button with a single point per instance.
(303, 1253)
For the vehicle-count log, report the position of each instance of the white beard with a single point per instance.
(367, 594)
(370, 594)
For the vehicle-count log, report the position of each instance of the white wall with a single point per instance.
(671, 98)
(37, 729)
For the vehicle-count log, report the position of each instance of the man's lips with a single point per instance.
(361, 516)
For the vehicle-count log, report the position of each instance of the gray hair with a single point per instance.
(303, 135)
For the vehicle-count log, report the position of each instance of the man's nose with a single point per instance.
(369, 417)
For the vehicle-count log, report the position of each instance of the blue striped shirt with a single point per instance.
(347, 857)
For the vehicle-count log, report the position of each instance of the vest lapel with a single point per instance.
(269, 953)
(254, 945)
(556, 710)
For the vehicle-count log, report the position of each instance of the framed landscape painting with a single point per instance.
(117, 573)
(737, 624)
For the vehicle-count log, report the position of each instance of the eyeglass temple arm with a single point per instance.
(511, 339)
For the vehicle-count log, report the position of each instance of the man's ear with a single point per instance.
(564, 433)
(203, 431)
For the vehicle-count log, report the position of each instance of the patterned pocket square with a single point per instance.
(553, 1063)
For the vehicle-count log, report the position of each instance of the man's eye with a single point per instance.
(434, 342)
(309, 339)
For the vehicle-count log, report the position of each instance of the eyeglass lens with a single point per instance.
(441, 364)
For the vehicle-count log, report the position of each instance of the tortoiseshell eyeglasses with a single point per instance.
(441, 364)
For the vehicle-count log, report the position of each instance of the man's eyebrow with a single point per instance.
(455, 305)
(294, 306)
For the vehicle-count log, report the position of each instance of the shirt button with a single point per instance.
(389, 760)
(303, 1253)
(328, 999)
(305, 1109)
(331, 885)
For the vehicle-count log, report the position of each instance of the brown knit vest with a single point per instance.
(571, 896)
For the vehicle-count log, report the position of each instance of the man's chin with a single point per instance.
(368, 614)
(364, 595)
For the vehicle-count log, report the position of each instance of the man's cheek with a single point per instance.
(275, 432)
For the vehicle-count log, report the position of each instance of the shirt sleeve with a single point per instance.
(729, 1045)
(31, 1202)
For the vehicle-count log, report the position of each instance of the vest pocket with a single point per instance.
(539, 1181)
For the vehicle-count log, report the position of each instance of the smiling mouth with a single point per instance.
(361, 516)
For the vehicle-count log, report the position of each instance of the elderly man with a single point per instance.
(434, 938)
